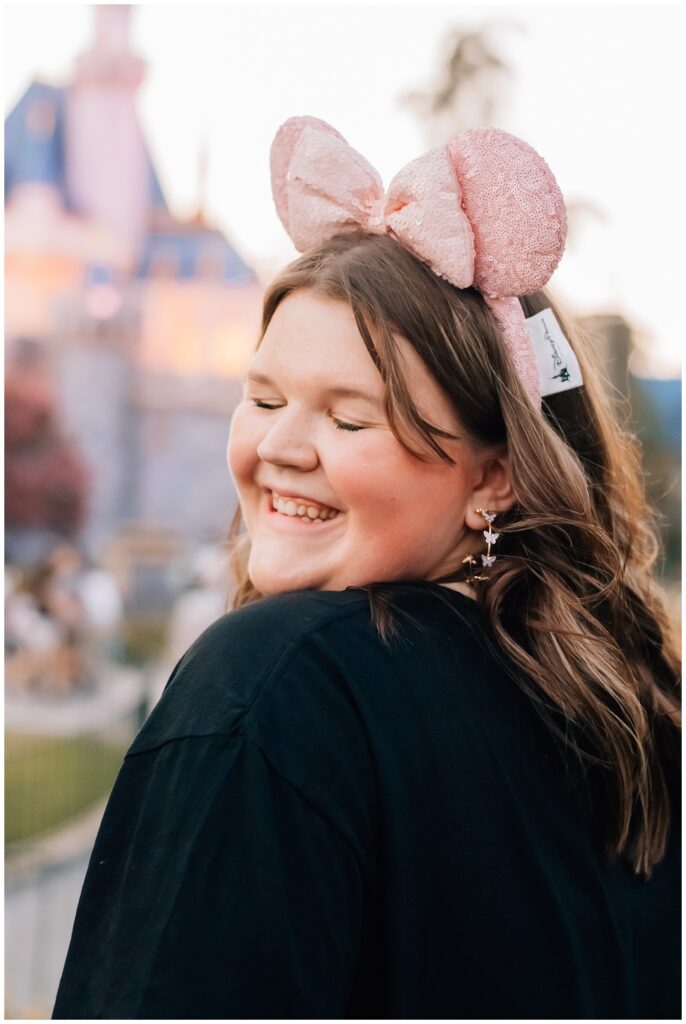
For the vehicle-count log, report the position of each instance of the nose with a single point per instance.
(288, 442)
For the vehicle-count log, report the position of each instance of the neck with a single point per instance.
(462, 588)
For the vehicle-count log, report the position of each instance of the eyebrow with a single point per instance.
(339, 392)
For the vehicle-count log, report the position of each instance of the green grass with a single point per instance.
(50, 780)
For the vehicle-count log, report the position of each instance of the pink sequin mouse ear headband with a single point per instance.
(483, 210)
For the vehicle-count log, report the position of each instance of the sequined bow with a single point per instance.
(483, 210)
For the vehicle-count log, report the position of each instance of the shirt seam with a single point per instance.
(303, 796)
(287, 656)
(309, 627)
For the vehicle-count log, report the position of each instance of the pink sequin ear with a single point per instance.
(281, 153)
(515, 209)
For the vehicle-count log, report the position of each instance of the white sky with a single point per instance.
(596, 91)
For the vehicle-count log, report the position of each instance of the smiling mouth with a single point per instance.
(295, 521)
(301, 509)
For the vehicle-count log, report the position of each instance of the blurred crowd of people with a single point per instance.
(65, 617)
(62, 618)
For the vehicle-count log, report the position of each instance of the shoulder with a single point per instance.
(310, 656)
(265, 677)
(304, 679)
(218, 684)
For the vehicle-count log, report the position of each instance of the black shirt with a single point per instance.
(312, 823)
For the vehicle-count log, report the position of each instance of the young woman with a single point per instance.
(428, 767)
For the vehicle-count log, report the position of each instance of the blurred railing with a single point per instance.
(56, 786)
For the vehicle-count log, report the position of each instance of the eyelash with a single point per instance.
(340, 424)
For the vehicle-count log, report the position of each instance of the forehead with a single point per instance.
(309, 334)
(313, 341)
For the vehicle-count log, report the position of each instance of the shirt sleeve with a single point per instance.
(215, 890)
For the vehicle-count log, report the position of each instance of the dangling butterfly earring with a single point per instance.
(488, 559)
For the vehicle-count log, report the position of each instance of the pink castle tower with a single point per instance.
(107, 167)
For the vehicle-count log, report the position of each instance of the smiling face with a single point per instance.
(329, 495)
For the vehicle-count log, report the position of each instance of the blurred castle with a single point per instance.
(140, 322)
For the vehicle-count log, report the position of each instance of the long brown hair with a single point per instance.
(571, 598)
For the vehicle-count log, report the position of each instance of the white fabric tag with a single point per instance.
(558, 369)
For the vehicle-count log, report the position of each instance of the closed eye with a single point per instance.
(340, 424)
(262, 405)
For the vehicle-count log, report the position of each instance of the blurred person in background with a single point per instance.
(428, 767)
(58, 588)
(33, 640)
(61, 619)
(203, 598)
(200, 603)
(103, 612)
(44, 618)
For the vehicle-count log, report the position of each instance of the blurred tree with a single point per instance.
(45, 480)
(471, 90)
(468, 88)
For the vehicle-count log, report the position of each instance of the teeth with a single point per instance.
(308, 513)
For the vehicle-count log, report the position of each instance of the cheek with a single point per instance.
(389, 490)
(241, 453)
(359, 474)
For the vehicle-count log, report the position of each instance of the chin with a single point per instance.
(270, 580)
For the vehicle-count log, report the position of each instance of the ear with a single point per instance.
(493, 490)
